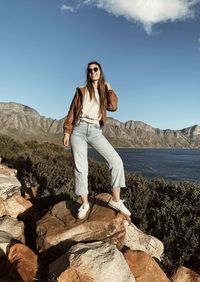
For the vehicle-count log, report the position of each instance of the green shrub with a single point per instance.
(173, 217)
(98, 178)
(47, 165)
(137, 195)
(9, 147)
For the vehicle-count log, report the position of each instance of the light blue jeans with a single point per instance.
(85, 133)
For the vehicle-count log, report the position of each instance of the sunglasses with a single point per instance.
(94, 69)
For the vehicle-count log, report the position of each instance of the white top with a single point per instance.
(90, 111)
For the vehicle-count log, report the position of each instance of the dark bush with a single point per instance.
(173, 217)
(9, 147)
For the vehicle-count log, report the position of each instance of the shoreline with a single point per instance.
(157, 148)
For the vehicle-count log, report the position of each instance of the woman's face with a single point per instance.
(94, 72)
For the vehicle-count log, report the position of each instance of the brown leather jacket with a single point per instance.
(76, 108)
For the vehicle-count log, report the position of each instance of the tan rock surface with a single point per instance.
(13, 227)
(9, 185)
(14, 206)
(144, 268)
(7, 171)
(135, 239)
(184, 274)
(100, 261)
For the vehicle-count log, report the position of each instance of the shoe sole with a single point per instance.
(118, 209)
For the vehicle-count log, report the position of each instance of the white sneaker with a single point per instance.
(119, 206)
(82, 211)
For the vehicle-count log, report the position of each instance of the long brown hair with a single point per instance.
(101, 86)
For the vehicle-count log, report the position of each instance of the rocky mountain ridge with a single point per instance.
(24, 123)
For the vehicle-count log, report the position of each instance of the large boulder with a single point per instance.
(12, 226)
(24, 261)
(59, 229)
(144, 267)
(10, 229)
(184, 274)
(14, 206)
(5, 239)
(60, 225)
(98, 261)
(135, 239)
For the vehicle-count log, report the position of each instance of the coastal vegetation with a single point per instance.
(169, 211)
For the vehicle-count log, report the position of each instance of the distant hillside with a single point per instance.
(24, 123)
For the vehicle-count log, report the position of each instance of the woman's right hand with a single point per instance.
(66, 140)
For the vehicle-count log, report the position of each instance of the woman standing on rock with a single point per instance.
(82, 126)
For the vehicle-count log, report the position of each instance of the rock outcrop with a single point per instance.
(61, 226)
(12, 204)
(105, 246)
(100, 261)
(24, 123)
(138, 134)
(11, 201)
(15, 264)
(60, 232)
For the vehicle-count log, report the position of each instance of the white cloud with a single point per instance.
(148, 12)
(67, 8)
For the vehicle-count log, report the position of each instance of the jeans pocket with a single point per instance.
(97, 126)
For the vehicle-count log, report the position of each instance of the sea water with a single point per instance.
(171, 164)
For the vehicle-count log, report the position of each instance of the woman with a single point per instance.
(82, 126)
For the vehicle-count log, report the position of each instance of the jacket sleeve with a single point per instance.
(111, 101)
(69, 121)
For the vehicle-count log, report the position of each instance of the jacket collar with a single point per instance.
(82, 89)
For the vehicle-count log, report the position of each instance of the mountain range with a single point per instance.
(24, 123)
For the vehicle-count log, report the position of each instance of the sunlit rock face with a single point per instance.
(100, 261)
(61, 226)
(144, 267)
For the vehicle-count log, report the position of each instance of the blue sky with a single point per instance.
(149, 50)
